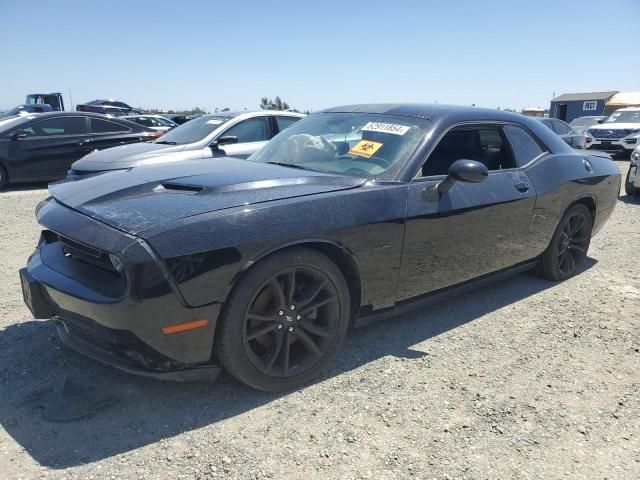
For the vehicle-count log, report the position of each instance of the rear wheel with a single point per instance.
(629, 188)
(285, 320)
(569, 245)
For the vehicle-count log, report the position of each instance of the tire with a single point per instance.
(629, 188)
(569, 245)
(4, 178)
(285, 320)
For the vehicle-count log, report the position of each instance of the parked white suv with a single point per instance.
(619, 132)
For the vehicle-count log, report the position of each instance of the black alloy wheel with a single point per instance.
(569, 244)
(3, 178)
(291, 322)
(573, 244)
(284, 321)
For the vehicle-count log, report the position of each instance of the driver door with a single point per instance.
(252, 135)
(473, 229)
(51, 146)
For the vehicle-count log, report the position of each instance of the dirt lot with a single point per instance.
(524, 379)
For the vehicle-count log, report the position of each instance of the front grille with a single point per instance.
(87, 254)
(84, 332)
(611, 134)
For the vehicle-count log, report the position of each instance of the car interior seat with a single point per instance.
(456, 145)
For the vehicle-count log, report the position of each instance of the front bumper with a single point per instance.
(626, 144)
(116, 318)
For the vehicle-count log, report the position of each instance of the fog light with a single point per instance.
(116, 262)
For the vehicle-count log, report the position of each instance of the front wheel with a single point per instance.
(284, 321)
(569, 245)
(629, 188)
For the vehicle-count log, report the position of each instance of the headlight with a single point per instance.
(116, 262)
(635, 157)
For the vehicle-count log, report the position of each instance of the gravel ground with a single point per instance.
(523, 379)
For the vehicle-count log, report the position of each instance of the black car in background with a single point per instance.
(109, 107)
(573, 138)
(42, 147)
(261, 265)
(180, 119)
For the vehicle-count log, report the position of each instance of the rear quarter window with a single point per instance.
(524, 145)
(105, 126)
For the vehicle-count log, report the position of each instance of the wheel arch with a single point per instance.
(586, 200)
(337, 252)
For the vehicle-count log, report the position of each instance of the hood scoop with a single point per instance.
(177, 188)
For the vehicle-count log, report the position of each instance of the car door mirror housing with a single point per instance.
(469, 171)
(226, 140)
(19, 134)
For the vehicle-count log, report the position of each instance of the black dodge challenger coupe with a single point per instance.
(42, 147)
(261, 265)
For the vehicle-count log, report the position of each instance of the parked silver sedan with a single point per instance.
(568, 134)
(154, 122)
(582, 124)
(236, 134)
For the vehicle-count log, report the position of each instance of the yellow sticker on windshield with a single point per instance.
(365, 148)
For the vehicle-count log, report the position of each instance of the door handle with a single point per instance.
(523, 187)
(84, 142)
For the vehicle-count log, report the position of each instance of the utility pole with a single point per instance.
(71, 100)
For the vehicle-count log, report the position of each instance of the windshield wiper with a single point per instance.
(166, 143)
(291, 165)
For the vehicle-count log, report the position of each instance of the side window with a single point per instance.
(548, 124)
(560, 128)
(486, 145)
(59, 126)
(252, 130)
(104, 126)
(284, 122)
(524, 146)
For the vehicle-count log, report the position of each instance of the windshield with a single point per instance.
(194, 130)
(358, 144)
(632, 116)
(584, 121)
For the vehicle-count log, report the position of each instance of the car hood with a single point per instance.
(616, 126)
(140, 198)
(124, 156)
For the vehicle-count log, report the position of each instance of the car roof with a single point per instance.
(627, 109)
(429, 111)
(76, 114)
(254, 113)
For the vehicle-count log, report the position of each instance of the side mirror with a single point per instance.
(226, 140)
(601, 120)
(463, 171)
(19, 134)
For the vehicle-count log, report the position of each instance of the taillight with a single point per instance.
(153, 135)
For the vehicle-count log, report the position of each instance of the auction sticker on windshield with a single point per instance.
(385, 128)
(365, 148)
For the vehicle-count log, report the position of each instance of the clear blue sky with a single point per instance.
(182, 53)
